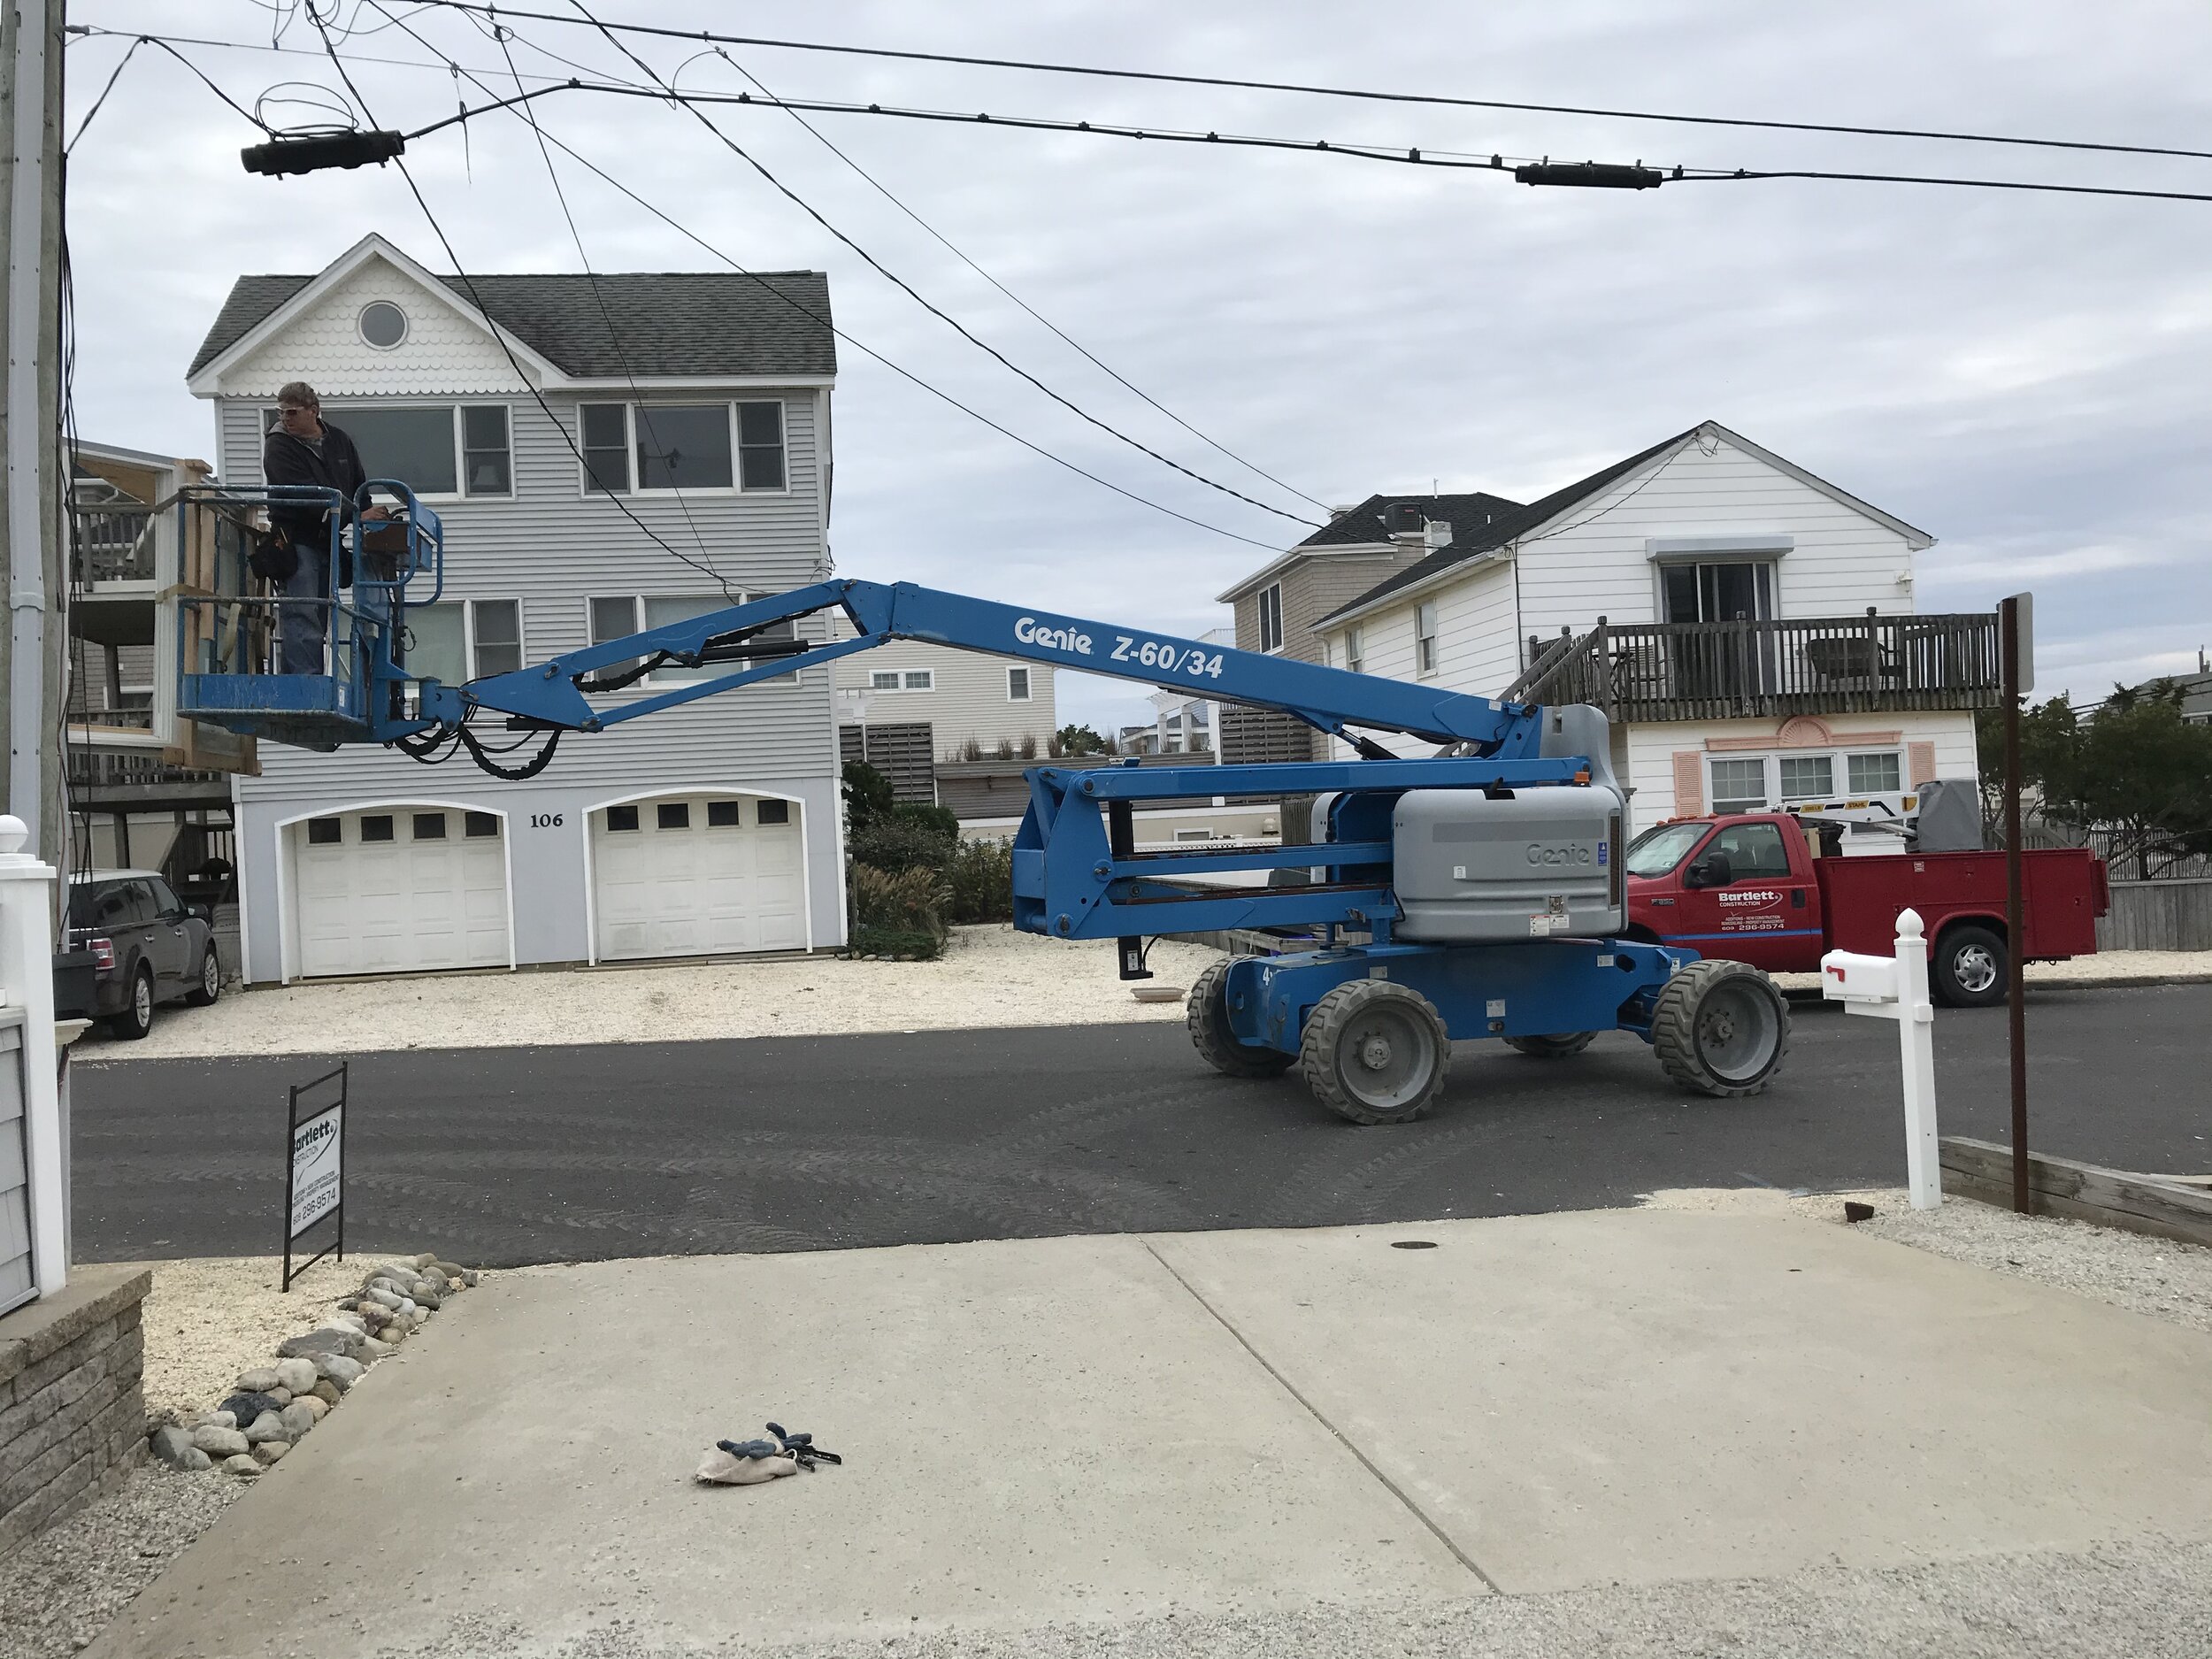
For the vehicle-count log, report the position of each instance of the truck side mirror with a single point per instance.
(1709, 871)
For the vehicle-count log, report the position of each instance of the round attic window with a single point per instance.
(383, 323)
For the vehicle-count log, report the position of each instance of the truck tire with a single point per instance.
(1375, 1052)
(1558, 1046)
(1721, 1029)
(1970, 969)
(1207, 1015)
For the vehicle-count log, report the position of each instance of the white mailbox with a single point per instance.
(1896, 987)
(1858, 980)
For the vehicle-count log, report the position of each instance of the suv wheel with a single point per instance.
(211, 985)
(137, 1018)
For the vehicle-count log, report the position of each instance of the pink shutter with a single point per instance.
(1920, 763)
(1689, 781)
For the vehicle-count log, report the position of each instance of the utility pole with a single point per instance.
(31, 485)
(2016, 629)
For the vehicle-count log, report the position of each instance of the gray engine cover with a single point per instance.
(1474, 869)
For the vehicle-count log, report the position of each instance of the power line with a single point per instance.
(499, 334)
(709, 37)
(962, 256)
(866, 350)
(944, 316)
(1454, 160)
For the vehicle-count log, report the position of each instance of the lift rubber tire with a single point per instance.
(210, 981)
(1375, 1052)
(137, 1018)
(1721, 1029)
(1558, 1046)
(1970, 969)
(1206, 1014)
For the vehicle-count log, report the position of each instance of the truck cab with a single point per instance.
(1741, 887)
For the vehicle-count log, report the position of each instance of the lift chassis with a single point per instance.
(1473, 893)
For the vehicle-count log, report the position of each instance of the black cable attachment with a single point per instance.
(513, 774)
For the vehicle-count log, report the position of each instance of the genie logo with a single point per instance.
(1029, 632)
(1557, 853)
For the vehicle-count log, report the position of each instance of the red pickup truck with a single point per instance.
(1757, 887)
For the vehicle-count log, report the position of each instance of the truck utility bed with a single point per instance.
(2063, 893)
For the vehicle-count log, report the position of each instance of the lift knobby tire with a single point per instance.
(1375, 1053)
(1558, 1046)
(1971, 968)
(1721, 1028)
(1206, 1014)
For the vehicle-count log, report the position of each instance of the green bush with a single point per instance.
(868, 796)
(898, 912)
(899, 843)
(943, 820)
(980, 877)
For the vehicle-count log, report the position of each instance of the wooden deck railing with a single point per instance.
(1719, 671)
(114, 544)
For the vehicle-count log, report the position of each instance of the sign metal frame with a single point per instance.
(293, 1122)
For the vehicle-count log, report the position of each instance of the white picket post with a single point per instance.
(27, 976)
(1916, 1043)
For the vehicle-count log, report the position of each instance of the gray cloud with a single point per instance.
(2022, 376)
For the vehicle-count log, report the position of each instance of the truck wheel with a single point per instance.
(1721, 1029)
(1375, 1052)
(1555, 1047)
(137, 1018)
(1208, 1017)
(1970, 967)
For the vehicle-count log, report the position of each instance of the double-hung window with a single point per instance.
(671, 448)
(618, 616)
(1355, 652)
(436, 449)
(1424, 638)
(459, 640)
(1018, 684)
(1739, 784)
(1270, 609)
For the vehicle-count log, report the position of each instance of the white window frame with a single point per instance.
(1355, 651)
(470, 666)
(1028, 682)
(927, 676)
(1766, 783)
(1269, 603)
(1428, 654)
(1838, 759)
(629, 408)
(453, 407)
(891, 675)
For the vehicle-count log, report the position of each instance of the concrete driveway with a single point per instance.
(1103, 1431)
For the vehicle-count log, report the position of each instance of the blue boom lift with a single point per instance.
(1477, 892)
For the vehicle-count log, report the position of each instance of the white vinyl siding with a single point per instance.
(967, 701)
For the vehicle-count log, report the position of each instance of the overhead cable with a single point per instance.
(710, 37)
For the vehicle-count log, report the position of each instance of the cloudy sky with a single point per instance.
(2028, 377)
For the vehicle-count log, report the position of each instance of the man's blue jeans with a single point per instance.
(303, 619)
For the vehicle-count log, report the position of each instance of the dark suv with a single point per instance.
(147, 948)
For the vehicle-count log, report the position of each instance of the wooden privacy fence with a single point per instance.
(2159, 915)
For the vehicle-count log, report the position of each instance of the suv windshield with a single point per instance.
(1657, 851)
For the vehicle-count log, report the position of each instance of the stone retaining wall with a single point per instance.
(73, 1415)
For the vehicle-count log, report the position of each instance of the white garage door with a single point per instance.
(400, 890)
(697, 875)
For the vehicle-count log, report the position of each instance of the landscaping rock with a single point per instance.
(445, 1270)
(368, 1351)
(259, 1382)
(326, 1340)
(336, 1368)
(282, 1397)
(242, 1465)
(217, 1442)
(268, 1426)
(246, 1407)
(301, 1416)
(325, 1391)
(298, 1375)
(420, 1262)
(428, 1296)
(214, 1420)
(472, 1278)
(388, 1300)
(174, 1448)
(269, 1451)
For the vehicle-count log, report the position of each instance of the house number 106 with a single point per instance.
(545, 820)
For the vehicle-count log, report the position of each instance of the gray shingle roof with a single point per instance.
(667, 322)
(1469, 515)
(1498, 531)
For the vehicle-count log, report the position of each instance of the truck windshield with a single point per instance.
(1657, 851)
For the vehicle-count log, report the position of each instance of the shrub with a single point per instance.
(943, 820)
(1029, 746)
(898, 913)
(980, 877)
(868, 796)
(899, 843)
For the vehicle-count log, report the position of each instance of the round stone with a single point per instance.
(242, 1465)
(298, 1375)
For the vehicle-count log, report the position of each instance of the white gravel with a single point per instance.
(60, 1589)
(2144, 1275)
(210, 1317)
(988, 976)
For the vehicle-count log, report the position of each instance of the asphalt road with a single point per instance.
(507, 1155)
